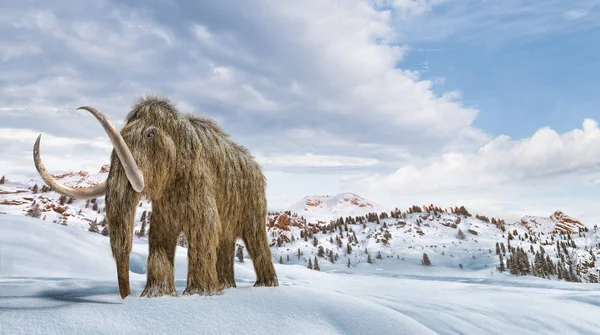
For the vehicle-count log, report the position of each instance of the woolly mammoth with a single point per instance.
(200, 183)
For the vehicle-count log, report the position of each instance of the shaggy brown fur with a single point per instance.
(200, 183)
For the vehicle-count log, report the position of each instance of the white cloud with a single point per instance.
(311, 160)
(478, 21)
(575, 14)
(546, 154)
(309, 84)
(542, 173)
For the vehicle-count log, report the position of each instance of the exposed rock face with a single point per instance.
(558, 222)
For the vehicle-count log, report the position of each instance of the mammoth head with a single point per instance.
(143, 150)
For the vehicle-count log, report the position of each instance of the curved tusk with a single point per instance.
(77, 193)
(135, 176)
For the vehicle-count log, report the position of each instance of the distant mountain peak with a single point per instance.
(327, 207)
(558, 222)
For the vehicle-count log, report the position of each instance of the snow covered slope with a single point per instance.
(354, 231)
(324, 208)
(58, 280)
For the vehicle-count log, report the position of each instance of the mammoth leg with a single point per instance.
(255, 238)
(225, 263)
(162, 241)
(203, 238)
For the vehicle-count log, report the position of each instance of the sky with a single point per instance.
(490, 105)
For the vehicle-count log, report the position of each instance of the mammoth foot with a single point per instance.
(152, 291)
(225, 284)
(267, 282)
(202, 290)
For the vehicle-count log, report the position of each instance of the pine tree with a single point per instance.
(299, 253)
(425, 260)
(2, 180)
(280, 259)
(369, 260)
(501, 266)
(93, 227)
(460, 235)
(316, 267)
(34, 211)
(287, 257)
(348, 264)
(240, 253)
(321, 252)
(142, 231)
(310, 264)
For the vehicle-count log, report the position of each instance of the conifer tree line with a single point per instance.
(518, 263)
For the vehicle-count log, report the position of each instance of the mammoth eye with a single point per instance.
(150, 132)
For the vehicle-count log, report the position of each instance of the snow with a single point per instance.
(59, 280)
(326, 207)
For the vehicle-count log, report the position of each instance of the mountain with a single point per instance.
(348, 233)
(558, 222)
(323, 208)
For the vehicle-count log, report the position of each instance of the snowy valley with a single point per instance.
(420, 270)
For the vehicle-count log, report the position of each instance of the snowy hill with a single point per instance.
(58, 280)
(348, 233)
(323, 208)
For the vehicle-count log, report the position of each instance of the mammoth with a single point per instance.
(199, 181)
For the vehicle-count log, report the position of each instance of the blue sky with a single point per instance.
(549, 80)
(491, 105)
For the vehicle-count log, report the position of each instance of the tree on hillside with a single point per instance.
(142, 231)
(316, 266)
(34, 211)
(105, 231)
(93, 227)
(460, 234)
(425, 260)
(321, 251)
(501, 266)
(2, 180)
(310, 263)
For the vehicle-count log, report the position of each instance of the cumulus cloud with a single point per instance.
(546, 171)
(316, 90)
(502, 160)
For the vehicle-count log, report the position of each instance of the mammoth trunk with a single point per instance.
(121, 201)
